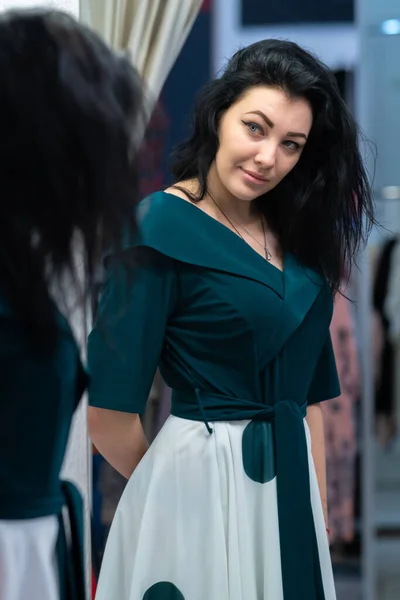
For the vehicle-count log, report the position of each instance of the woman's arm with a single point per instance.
(316, 425)
(124, 350)
(119, 437)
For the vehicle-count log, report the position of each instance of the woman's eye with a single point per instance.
(252, 127)
(292, 145)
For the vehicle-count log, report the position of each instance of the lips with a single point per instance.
(256, 176)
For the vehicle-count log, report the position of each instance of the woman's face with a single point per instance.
(261, 138)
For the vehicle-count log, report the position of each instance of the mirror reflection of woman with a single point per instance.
(68, 110)
(231, 296)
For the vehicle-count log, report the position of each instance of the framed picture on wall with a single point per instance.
(268, 12)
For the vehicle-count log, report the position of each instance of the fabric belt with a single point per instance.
(301, 572)
(71, 553)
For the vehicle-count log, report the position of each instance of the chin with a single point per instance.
(240, 192)
(247, 195)
(246, 198)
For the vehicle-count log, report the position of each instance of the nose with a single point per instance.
(266, 155)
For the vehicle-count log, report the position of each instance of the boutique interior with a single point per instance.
(360, 41)
(362, 427)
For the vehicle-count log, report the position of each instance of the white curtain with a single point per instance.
(71, 6)
(151, 31)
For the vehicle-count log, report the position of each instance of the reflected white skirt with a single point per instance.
(191, 525)
(28, 568)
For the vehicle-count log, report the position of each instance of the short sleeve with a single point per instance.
(325, 383)
(126, 342)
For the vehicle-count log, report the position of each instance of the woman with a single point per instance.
(231, 295)
(67, 108)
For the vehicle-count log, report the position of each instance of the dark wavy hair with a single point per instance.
(69, 112)
(322, 210)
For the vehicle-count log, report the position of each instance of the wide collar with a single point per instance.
(180, 230)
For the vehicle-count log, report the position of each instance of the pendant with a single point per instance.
(268, 254)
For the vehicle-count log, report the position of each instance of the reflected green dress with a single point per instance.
(39, 394)
(225, 504)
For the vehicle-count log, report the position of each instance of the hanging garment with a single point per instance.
(340, 437)
(225, 504)
(384, 391)
(392, 311)
(392, 300)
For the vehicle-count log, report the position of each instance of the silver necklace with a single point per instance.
(268, 254)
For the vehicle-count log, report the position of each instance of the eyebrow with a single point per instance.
(271, 124)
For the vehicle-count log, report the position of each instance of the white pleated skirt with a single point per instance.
(28, 567)
(191, 525)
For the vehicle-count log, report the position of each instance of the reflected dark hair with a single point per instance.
(69, 112)
(322, 210)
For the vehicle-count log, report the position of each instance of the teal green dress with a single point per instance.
(39, 395)
(225, 504)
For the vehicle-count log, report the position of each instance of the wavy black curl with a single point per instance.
(322, 211)
(69, 110)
